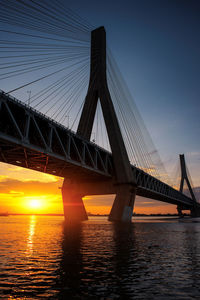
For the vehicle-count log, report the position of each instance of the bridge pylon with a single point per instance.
(123, 179)
(195, 210)
(74, 210)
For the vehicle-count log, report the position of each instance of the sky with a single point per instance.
(156, 45)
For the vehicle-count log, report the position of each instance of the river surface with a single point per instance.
(40, 258)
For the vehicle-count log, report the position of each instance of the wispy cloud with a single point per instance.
(15, 172)
(18, 187)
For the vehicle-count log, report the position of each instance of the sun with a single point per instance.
(35, 203)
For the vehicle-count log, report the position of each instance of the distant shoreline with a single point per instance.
(94, 215)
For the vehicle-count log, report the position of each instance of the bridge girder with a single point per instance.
(23, 150)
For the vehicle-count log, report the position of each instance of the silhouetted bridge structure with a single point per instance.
(32, 140)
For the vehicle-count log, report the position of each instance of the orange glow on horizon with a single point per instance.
(29, 192)
(165, 209)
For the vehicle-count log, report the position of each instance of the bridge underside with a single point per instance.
(31, 158)
(84, 180)
(107, 186)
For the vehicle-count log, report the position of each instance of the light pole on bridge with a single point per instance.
(29, 97)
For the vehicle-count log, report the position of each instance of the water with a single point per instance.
(149, 259)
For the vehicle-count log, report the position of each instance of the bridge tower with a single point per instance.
(123, 178)
(184, 177)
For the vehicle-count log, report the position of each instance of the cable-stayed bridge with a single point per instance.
(31, 139)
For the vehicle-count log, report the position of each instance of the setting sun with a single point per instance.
(35, 203)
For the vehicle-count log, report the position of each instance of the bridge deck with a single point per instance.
(32, 140)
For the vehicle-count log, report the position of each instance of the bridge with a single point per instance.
(31, 139)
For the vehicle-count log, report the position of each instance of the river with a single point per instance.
(152, 258)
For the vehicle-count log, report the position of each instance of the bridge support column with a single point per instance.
(74, 209)
(122, 209)
(195, 212)
(179, 210)
(98, 89)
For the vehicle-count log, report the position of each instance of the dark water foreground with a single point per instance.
(149, 259)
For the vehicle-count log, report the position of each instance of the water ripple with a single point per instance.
(40, 258)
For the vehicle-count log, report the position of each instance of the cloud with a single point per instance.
(99, 200)
(23, 174)
(146, 202)
(107, 200)
(18, 187)
(3, 177)
(16, 193)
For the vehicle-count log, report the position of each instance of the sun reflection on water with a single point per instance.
(31, 232)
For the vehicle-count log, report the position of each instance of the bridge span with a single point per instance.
(31, 140)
